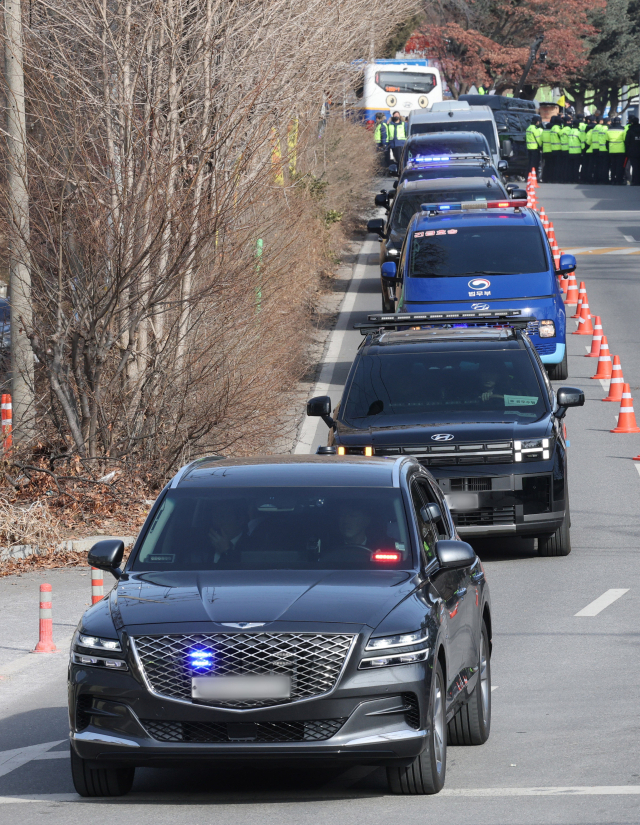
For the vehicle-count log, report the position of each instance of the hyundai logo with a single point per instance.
(479, 283)
(442, 437)
(479, 306)
(244, 625)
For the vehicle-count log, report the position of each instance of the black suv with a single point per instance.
(512, 115)
(285, 608)
(473, 404)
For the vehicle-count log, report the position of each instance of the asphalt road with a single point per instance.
(565, 740)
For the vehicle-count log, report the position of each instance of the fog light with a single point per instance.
(341, 451)
(368, 451)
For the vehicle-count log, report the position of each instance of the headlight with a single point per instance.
(547, 329)
(98, 661)
(391, 250)
(394, 659)
(538, 449)
(403, 640)
(97, 643)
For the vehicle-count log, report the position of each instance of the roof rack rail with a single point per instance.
(387, 320)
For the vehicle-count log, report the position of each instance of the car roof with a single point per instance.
(287, 471)
(477, 113)
(435, 136)
(447, 183)
(501, 102)
(476, 217)
(456, 339)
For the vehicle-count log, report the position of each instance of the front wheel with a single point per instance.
(99, 781)
(559, 543)
(472, 723)
(426, 774)
(559, 372)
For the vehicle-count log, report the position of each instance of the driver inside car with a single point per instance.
(352, 526)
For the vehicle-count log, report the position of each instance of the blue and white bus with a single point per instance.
(399, 84)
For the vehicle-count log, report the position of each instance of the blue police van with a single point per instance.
(479, 256)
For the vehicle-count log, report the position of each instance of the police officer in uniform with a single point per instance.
(616, 148)
(547, 154)
(396, 136)
(574, 141)
(556, 149)
(534, 143)
(602, 157)
(588, 165)
(632, 148)
(563, 176)
(380, 133)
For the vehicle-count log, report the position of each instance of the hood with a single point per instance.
(358, 597)
(406, 432)
(478, 288)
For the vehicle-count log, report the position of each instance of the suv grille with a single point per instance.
(486, 516)
(312, 660)
(298, 731)
(473, 452)
(470, 485)
(412, 713)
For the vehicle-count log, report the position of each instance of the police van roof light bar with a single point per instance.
(464, 206)
(509, 317)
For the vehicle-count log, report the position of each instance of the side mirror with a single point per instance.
(567, 264)
(431, 512)
(453, 554)
(107, 555)
(321, 407)
(506, 149)
(389, 270)
(376, 227)
(518, 194)
(568, 397)
(502, 166)
(395, 184)
(393, 168)
(382, 200)
(511, 187)
(502, 127)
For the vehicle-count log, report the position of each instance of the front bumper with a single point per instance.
(549, 351)
(114, 719)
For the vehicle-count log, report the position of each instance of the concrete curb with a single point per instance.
(23, 551)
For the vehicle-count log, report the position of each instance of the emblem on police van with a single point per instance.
(479, 283)
(479, 306)
(442, 437)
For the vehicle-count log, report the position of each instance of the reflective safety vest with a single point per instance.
(534, 137)
(599, 140)
(582, 126)
(546, 141)
(615, 139)
(396, 131)
(588, 139)
(574, 141)
(564, 138)
(556, 144)
(378, 135)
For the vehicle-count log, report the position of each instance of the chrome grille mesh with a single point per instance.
(312, 660)
(220, 732)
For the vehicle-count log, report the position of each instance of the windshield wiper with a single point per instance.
(483, 272)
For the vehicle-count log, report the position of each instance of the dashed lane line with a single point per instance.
(599, 604)
(17, 757)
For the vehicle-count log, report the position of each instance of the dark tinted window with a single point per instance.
(279, 528)
(391, 389)
(485, 127)
(412, 82)
(434, 172)
(419, 150)
(407, 205)
(477, 250)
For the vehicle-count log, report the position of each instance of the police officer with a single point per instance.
(574, 142)
(602, 155)
(588, 162)
(616, 148)
(547, 163)
(534, 143)
(632, 148)
(556, 149)
(565, 128)
(380, 133)
(396, 136)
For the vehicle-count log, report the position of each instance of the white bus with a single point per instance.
(399, 84)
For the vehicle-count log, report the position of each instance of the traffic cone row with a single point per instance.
(596, 340)
(585, 325)
(572, 291)
(617, 381)
(627, 416)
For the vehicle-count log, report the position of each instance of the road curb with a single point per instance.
(23, 551)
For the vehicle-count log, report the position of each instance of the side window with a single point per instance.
(434, 493)
(428, 535)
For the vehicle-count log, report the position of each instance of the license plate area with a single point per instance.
(462, 501)
(242, 688)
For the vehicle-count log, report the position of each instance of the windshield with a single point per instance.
(413, 82)
(407, 205)
(492, 385)
(424, 150)
(485, 127)
(277, 528)
(476, 250)
(435, 172)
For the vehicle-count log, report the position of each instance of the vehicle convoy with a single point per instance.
(409, 198)
(513, 116)
(456, 116)
(467, 395)
(287, 607)
(475, 256)
(399, 84)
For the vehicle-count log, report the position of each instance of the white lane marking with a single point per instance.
(495, 687)
(41, 797)
(53, 755)
(629, 238)
(310, 425)
(17, 757)
(599, 604)
(637, 466)
(595, 790)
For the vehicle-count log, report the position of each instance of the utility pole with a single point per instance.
(22, 379)
(533, 51)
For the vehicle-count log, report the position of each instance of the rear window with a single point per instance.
(485, 127)
(407, 205)
(411, 82)
(476, 250)
(435, 172)
(419, 150)
(277, 528)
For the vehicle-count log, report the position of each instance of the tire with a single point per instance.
(559, 543)
(472, 723)
(426, 774)
(99, 781)
(559, 372)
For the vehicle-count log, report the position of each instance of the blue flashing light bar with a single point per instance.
(202, 659)
(430, 159)
(468, 205)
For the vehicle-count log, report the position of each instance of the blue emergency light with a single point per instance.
(467, 205)
(202, 659)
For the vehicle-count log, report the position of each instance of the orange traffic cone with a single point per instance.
(585, 325)
(544, 219)
(596, 340)
(534, 177)
(582, 294)
(552, 232)
(627, 417)
(637, 458)
(572, 291)
(617, 381)
(604, 360)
